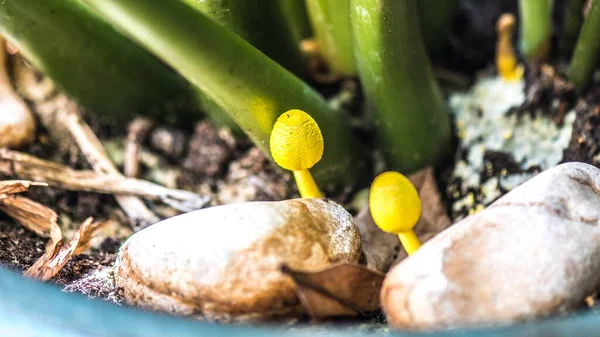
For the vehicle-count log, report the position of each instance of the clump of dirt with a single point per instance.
(547, 91)
(207, 154)
(585, 141)
(253, 177)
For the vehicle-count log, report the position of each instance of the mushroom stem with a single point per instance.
(306, 184)
(506, 57)
(409, 241)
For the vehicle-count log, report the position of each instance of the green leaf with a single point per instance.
(252, 88)
(260, 22)
(295, 13)
(92, 62)
(331, 25)
(436, 18)
(585, 58)
(408, 108)
(535, 27)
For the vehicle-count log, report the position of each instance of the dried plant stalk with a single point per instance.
(14, 163)
(91, 147)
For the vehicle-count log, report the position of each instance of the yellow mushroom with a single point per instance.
(297, 145)
(396, 207)
(506, 57)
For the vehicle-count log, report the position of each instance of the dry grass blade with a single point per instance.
(29, 167)
(17, 186)
(53, 260)
(340, 290)
(32, 215)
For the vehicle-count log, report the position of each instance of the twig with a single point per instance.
(91, 147)
(14, 163)
(136, 133)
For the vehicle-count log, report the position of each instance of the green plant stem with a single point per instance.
(572, 22)
(262, 23)
(585, 56)
(252, 88)
(330, 21)
(297, 17)
(92, 62)
(410, 115)
(536, 27)
(436, 18)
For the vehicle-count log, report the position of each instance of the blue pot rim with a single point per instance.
(30, 308)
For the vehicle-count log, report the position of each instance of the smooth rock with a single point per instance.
(224, 262)
(532, 253)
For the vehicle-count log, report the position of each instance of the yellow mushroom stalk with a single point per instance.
(297, 145)
(506, 57)
(396, 207)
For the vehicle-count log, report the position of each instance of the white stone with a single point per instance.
(224, 262)
(532, 253)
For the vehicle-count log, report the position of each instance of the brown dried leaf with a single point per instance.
(53, 260)
(383, 249)
(32, 215)
(342, 289)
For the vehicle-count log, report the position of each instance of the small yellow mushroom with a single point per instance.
(506, 57)
(396, 207)
(297, 145)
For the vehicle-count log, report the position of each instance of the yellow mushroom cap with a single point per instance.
(394, 203)
(296, 141)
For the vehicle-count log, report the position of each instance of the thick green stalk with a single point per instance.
(295, 13)
(252, 88)
(260, 22)
(408, 108)
(330, 21)
(92, 62)
(536, 28)
(585, 57)
(436, 18)
(572, 22)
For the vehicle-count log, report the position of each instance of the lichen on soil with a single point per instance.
(499, 149)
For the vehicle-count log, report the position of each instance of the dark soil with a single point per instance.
(585, 143)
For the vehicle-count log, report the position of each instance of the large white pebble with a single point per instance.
(224, 262)
(533, 253)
